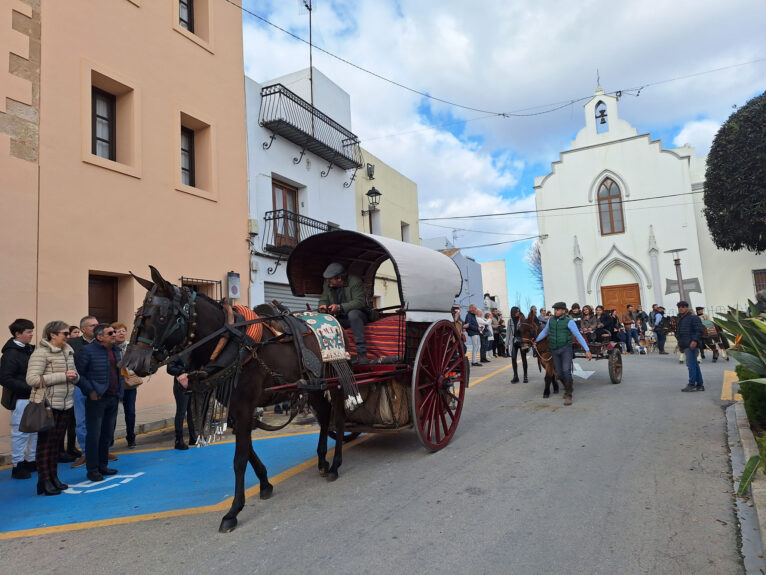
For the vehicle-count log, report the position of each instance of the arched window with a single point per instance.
(610, 208)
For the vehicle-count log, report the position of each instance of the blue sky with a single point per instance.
(681, 67)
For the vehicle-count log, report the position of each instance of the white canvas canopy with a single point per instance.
(428, 280)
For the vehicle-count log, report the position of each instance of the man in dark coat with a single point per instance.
(13, 374)
(689, 336)
(344, 297)
(102, 384)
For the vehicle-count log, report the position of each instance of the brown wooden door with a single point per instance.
(618, 297)
(102, 298)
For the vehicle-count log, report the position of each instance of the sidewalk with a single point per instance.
(148, 419)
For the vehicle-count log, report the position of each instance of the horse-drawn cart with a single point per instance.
(240, 360)
(418, 372)
(608, 350)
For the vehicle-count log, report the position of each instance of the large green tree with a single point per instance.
(735, 181)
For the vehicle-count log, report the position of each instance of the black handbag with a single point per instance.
(37, 415)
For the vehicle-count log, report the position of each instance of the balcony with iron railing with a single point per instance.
(284, 229)
(293, 118)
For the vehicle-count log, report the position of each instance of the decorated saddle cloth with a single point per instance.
(329, 334)
(708, 329)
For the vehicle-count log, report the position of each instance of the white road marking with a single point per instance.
(579, 372)
(93, 486)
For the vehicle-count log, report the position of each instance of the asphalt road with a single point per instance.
(633, 478)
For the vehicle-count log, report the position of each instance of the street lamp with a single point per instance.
(373, 199)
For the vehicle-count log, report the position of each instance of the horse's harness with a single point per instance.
(531, 342)
(182, 306)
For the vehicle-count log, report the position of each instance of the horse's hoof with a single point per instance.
(267, 491)
(332, 475)
(546, 395)
(228, 525)
(555, 391)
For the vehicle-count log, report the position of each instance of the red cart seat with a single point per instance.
(385, 338)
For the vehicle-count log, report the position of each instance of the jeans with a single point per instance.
(100, 418)
(632, 334)
(475, 348)
(23, 445)
(562, 362)
(483, 347)
(355, 319)
(79, 416)
(661, 335)
(695, 374)
(129, 406)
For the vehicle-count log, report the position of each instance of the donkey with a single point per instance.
(528, 331)
(169, 321)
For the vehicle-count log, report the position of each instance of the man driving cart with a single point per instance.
(344, 297)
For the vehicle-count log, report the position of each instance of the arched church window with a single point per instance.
(602, 122)
(610, 208)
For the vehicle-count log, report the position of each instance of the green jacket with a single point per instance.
(353, 295)
(558, 332)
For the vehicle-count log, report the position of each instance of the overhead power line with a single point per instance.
(497, 243)
(519, 212)
(521, 113)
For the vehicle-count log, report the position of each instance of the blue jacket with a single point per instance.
(689, 329)
(471, 325)
(92, 363)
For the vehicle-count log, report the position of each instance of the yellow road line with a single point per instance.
(222, 506)
(484, 377)
(727, 391)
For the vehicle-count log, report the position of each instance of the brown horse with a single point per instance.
(528, 331)
(171, 319)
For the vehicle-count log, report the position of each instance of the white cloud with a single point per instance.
(507, 56)
(699, 135)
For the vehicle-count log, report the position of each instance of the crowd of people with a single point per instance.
(488, 332)
(632, 329)
(75, 369)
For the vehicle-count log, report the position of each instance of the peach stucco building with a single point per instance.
(122, 144)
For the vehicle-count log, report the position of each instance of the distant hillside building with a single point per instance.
(640, 201)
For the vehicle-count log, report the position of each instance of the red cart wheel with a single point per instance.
(439, 380)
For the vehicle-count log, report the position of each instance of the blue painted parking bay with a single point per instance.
(148, 482)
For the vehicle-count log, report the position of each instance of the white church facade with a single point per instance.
(635, 202)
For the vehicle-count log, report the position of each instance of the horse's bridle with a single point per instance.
(181, 306)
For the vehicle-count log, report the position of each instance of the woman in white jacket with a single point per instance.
(51, 372)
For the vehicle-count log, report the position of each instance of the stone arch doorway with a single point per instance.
(619, 279)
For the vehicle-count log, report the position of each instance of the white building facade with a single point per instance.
(634, 202)
(300, 161)
(494, 280)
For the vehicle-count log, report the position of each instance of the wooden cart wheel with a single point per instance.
(615, 365)
(439, 379)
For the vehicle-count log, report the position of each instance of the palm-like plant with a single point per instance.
(749, 336)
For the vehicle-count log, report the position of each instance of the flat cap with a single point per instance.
(699, 308)
(559, 305)
(333, 270)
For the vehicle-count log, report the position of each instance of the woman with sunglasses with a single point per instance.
(52, 366)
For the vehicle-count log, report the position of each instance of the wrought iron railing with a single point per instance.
(288, 115)
(284, 229)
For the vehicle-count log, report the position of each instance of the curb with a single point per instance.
(119, 433)
(758, 485)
